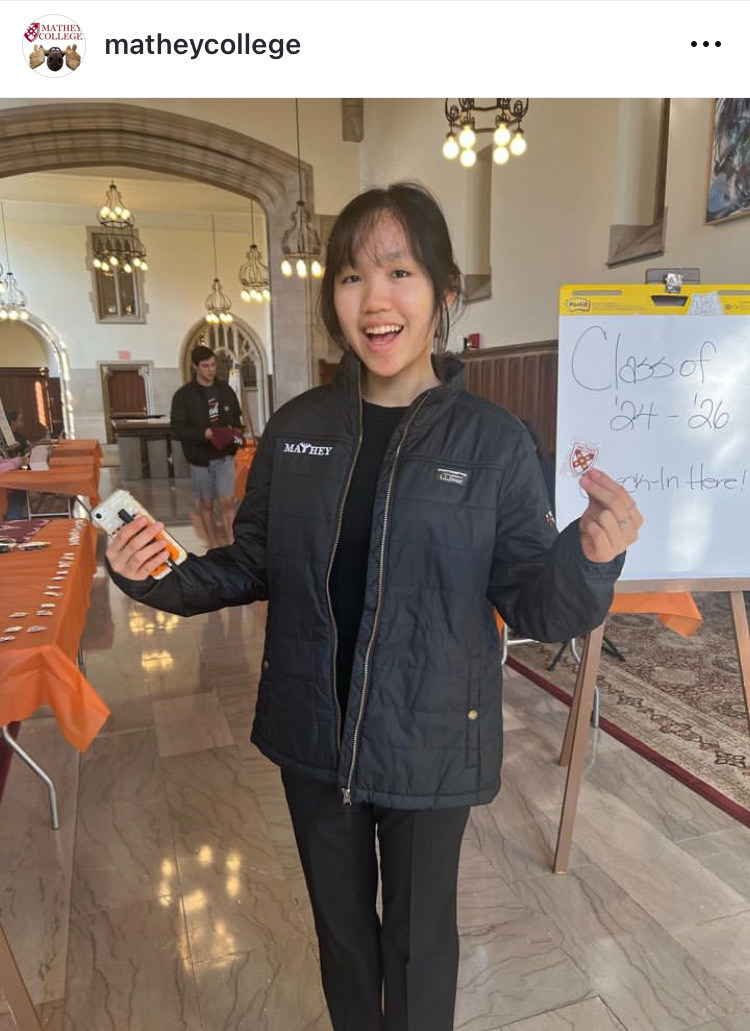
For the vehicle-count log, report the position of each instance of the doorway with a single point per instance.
(126, 392)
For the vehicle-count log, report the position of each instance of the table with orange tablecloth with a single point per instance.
(72, 476)
(675, 610)
(40, 668)
(84, 448)
(242, 462)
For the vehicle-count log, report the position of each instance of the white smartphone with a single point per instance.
(121, 508)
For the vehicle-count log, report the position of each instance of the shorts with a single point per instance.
(215, 480)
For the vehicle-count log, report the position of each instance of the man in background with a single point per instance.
(206, 418)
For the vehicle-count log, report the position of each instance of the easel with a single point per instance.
(15, 991)
(576, 733)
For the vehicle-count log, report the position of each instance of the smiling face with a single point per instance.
(385, 304)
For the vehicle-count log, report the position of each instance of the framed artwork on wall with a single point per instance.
(729, 176)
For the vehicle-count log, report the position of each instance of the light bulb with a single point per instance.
(13, 314)
(114, 261)
(468, 158)
(125, 214)
(118, 210)
(256, 295)
(286, 267)
(97, 263)
(518, 145)
(144, 266)
(229, 317)
(137, 262)
(24, 316)
(244, 295)
(104, 212)
(3, 313)
(500, 155)
(301, 269)
(127, 267)
(501, 136)
(266, 294)
(467, 137)
(316, 268)
(450, 147)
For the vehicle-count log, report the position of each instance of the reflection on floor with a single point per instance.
(172, 897)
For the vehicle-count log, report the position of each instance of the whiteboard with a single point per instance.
(666, 398)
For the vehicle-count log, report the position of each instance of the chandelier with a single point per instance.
(506, 129)
(12, 298)
(300, 244)
(217, 303)
(120, 249)
(256, 285)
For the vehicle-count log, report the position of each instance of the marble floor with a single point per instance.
(171, 897)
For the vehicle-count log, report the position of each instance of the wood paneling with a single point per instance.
(29, 390)
(521, 378)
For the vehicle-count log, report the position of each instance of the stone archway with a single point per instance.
(79, 134)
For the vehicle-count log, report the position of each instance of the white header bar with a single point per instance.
(378, 48)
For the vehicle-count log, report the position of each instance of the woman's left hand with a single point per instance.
(612, 520)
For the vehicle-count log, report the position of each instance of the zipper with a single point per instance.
(347, 791)
(330, 563)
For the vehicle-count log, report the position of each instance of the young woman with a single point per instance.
(386, 517)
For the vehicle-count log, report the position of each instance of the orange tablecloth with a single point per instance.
(85, 447)
(64, 476)
(677, 611)
(80, 449)
(40, 668)
(242, 462)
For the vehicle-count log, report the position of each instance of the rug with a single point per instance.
(678, 701)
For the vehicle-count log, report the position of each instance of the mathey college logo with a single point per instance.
(54, 45)
(303, 448)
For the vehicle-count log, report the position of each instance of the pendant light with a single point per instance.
(254, 276)
(300, 244)
(12, 298)
(217, 303)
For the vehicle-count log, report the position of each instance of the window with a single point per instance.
(118, 288)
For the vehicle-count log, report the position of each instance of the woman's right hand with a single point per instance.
(134, 551)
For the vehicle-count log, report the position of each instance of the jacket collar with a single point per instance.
(448, 367)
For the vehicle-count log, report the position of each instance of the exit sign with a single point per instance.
(124, 356)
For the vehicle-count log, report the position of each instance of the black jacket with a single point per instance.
(189, 420)
(460, 526)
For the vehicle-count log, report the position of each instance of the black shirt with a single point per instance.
(349, 572)
(211, 395)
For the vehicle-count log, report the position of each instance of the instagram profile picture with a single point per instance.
(53, 45)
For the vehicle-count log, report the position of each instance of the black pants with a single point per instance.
(407, 966)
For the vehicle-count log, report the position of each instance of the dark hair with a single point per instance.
(201, 353)
(12, 414)
(423, 223)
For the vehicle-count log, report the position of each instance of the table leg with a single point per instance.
(742, 640)
(578, 724)
(22, 754)
(16, 992)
